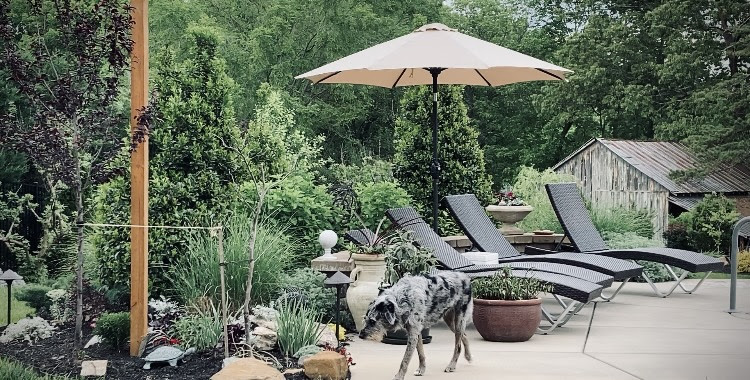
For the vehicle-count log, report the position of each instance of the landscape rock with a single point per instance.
(263, 338)
(96, 339)
(264, 317)
(248, 369)
(94, 368)
(326, 365)
(327, 336)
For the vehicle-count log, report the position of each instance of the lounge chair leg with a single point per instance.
(610, 298)
(561, 319)
(679, 281)
(668, 293)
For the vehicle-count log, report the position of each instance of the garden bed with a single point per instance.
(58, 355)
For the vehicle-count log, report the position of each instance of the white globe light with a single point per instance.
(327, 240)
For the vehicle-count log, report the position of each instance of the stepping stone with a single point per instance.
(95, 368)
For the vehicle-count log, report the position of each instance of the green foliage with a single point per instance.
(19, 309)
(114, 328)
(504, 286)
(201, 330)
(297, 326)
(705, 228)
(622, 220)
(461, 157)
(13, 166)
(370, 170)
(712, 222)
(529, 185)
(10, 369)
(196, 273)
(305, 207)
(191, 170)
(377, 197)
(309, 283)
(403, 256)
(34, 295)
(743, 261)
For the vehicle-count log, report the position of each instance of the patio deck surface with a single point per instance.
(638, 336)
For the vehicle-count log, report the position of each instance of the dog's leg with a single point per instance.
(422, 358)
(456, 352)
(465, 341)
(410, 345)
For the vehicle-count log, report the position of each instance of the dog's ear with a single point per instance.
(389, 312)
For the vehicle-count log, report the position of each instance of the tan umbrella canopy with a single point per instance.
(435, 54)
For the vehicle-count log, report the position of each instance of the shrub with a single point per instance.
(35, 296)
(309, 283)
(529, 186)
(201, 330)
(504, 286)
(196, 273)
(712, 222)
(677, 235)
(28, 329)
(114, 328)
(622, 220)
(191, 172)
(743, 262)
(461, 157)
(10, 369)
(370, 170)
(162, 313)
(306, 208)
(297, 326)
(377, 197)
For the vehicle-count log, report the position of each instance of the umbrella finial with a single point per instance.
(435, 27)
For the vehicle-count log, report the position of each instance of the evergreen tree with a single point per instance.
(191, 169)
(461, 157)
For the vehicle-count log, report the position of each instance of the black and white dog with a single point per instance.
(417, 302)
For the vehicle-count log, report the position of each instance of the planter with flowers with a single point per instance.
(507, 308)
(509, 210)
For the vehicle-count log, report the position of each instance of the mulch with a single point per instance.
(59, 355)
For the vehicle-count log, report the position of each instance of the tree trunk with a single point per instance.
(79, 261)
(251, 263)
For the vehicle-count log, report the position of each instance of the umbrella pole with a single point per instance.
(435, 165)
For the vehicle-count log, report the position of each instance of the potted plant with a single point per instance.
(507, 308)
(509, 209)
(368, 273)
(404, 257)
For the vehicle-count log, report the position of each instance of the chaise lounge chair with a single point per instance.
(581, 292)
(485, 237)
(571, 211)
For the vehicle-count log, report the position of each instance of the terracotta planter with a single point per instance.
(509, 216)
(368, 274)
(507, 321)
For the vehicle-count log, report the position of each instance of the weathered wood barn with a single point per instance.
(636, 174)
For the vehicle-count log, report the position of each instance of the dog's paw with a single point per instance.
(468, 357)
(419, 371)
(450, 368)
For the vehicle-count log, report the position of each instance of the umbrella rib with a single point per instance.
(327, 76)
(483, 78)
(550, 74)
(398, 79)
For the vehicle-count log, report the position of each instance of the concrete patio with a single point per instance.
(638, 336)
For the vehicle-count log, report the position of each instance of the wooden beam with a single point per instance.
(139, 181)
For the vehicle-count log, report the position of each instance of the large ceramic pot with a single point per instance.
(509, 216)
(367, 277)
(507, 321)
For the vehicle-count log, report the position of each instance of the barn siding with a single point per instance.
(608, 180)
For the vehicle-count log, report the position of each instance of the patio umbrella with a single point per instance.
(435, 54)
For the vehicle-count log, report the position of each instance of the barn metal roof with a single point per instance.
(657, 159)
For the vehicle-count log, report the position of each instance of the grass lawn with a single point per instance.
(727, 276)
(18, 309)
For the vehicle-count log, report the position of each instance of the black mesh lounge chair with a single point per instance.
(485, 237)
(571, 211)
(581, 292)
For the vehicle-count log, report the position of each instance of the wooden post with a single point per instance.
(139, 181)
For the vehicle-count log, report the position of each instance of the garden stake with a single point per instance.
(222, 265)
